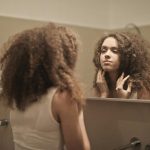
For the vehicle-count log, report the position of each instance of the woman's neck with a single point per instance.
(113, 76)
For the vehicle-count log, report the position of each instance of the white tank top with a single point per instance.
(36, 128)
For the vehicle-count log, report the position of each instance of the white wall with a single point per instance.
(124, 12)
(77, 12)
(106, 14)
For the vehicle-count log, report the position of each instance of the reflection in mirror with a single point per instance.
(91, 21)
(122, 66)
(85, 68)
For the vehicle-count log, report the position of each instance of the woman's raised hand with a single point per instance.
(102, 84)
(122, 93)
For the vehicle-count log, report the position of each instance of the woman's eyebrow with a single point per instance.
(112, 47)
(104, 46)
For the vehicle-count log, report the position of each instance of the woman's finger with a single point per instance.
(121, 81)
(129, 87)
(121, 77)
(103, 73)
(100, 76)
(125, 79)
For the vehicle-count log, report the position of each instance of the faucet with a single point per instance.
(135, 144)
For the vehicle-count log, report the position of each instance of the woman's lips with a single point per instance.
(107, 62)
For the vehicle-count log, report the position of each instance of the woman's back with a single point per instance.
(36, 128)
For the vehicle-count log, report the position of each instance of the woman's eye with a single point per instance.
(115, 50)
(103, 50)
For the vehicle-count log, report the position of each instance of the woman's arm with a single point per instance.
(71, 121)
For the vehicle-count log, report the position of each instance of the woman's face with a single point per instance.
(110, 55)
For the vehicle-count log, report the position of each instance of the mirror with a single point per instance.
(90, 20)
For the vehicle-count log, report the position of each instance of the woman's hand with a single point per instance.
(102, 84)
(119, 87)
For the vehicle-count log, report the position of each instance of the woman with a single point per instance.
(40, 88)
(122, 66)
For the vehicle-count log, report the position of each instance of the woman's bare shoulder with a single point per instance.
(64, 102)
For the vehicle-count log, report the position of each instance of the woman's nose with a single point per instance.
(107, 54)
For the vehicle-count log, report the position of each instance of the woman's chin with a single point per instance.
(109, 70)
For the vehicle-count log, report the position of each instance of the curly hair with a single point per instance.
(38, 59)
(135, 58)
